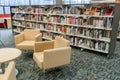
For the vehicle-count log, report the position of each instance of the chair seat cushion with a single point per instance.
(26, 45)
(38, 58)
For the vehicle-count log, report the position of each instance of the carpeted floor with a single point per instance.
(85, 65)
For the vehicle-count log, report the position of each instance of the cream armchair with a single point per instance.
(50, 54)
(9, 72)
(26, 40)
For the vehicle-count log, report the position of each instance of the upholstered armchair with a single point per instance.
(27, 39)
(10, 73)
(51, 54)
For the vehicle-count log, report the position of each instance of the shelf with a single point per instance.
(103, 1)
(76, 15)
(30, 13)
(20, 12)
(87, 37)
(103, 25)
(52, 31)
(17, 31)
(29, 28)
(19, 25)
(83, 26)
(31, 21)
(84, 47)
(67, 15)
(18, 19)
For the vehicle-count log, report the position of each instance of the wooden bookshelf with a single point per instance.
(91, 27)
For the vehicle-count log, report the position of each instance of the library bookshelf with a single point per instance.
(88, 26)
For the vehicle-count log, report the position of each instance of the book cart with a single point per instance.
(88, 26)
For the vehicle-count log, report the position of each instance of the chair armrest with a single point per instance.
(41, 46)
(56, 57)
(10, 71)
(19, 38)
(2, 77)
(38, 37)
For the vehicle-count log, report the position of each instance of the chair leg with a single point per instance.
(44, 75)
(34, 65)
(3, 68)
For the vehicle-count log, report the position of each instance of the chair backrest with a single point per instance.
(30, 34)
(1, 20)
(10, 73)
(61, 42)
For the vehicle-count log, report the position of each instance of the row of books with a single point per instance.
(18, 16)
(99, 45)
(36, 10)
(32, 17)
(81, 42)
(19, 29)
(80, 10)
(26, 10)
(89, 32)
(19, 23)
(105, 22)
(57, 10)
(30, 25)
(94, 33)
(24, 24)
(50, 36)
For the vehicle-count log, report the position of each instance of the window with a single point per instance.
(40, 2)
(1, 10)
(76, 1)
(47, 2)
(66, 1)
(35, 2)
(7, 10)
(22, 2)
(14, 2)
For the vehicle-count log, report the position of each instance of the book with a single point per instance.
(80, 42)
(96, 45)
(109, 12)
(77, 10)
(97, 11)
(107, 47)
(105, 22)
(87, 12)
(103, 11)
(92, 11)
(110, 22)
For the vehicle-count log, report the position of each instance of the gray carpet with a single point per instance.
(85, 65)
